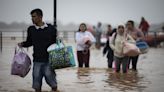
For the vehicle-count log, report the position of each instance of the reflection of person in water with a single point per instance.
(125, 82)
(83, 75)
(83, 71)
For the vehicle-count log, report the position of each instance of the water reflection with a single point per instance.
(125, 82)
(83, 75)
(149, 78)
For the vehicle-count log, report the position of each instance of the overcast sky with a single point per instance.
(89, 11)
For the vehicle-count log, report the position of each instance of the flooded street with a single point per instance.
(97, 78)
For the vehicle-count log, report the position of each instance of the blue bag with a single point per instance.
(71, 55)
(143, 46)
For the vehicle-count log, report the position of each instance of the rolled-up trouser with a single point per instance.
(40, 70)
(123, 61)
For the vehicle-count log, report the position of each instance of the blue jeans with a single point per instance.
(40, 70)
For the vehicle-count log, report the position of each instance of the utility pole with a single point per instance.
(55, 6)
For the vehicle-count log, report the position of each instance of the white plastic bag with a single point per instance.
(57, 45)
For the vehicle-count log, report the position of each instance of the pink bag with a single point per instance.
(130, 49)
(86, 39)
(21, 63)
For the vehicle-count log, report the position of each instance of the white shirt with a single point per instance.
(42, 27)
(79, 37)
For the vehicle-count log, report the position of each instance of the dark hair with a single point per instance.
(37, 11)
(132, 22)
(114, 30)
(109, 25)
(84, 25)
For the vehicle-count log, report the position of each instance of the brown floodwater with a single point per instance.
(97, 78)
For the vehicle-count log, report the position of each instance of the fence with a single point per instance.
(66, 35)
(21, 35)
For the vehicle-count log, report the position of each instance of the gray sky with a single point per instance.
(89, 11)
(19, 10)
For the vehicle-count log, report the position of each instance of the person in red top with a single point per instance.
(144, 26)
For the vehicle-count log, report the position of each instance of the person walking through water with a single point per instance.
(41, 35)
(117, 43)
(84, 39)
(137, 36)
(107, 49)
(98, 35)
(144, 26)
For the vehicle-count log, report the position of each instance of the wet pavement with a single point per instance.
(97, 78)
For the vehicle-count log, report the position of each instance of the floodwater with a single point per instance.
(97, 78)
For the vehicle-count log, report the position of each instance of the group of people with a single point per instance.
(41, 35)
(115, 43)
(113, 46)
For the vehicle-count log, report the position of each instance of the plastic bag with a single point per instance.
(130, 49)
(21, 63)
(143, 46)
